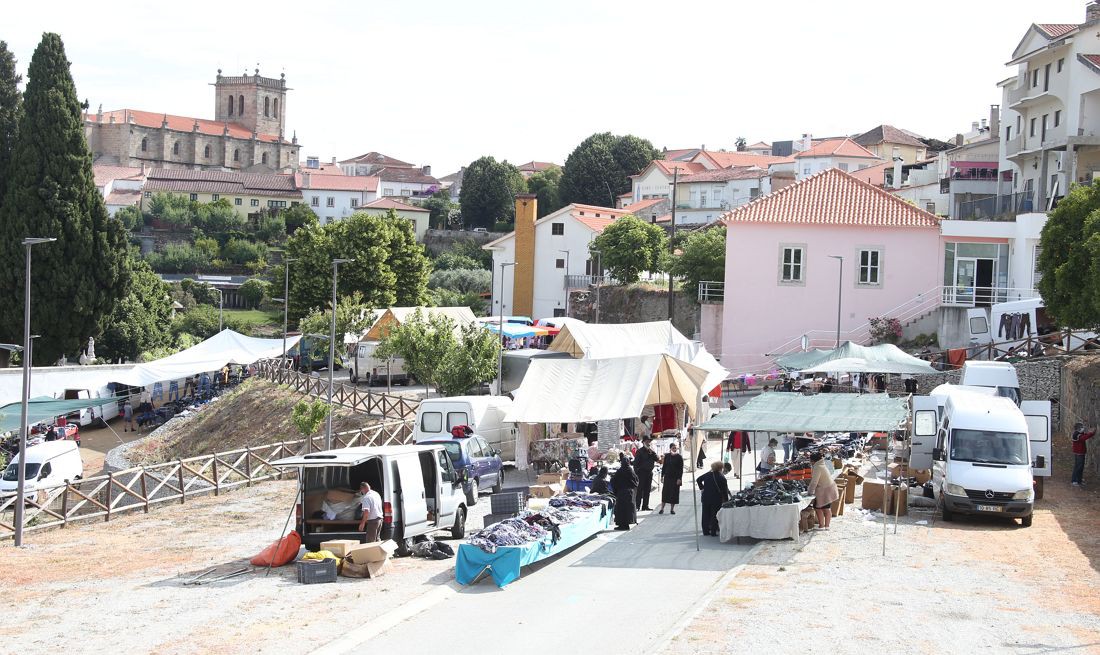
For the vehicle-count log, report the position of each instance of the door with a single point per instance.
(966, 271)
(445, 503)
(983, 282)
(476, 448)
(410, 487)
(977, 321)
(923, 439)
(1037, 413)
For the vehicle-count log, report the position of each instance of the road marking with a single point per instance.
(350, 640)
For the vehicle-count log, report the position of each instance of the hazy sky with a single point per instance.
(443, 83)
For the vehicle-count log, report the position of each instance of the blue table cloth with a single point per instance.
(578, 485)
(505, 564)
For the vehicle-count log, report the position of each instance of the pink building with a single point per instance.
(783, 275)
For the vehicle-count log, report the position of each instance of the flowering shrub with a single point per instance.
(885, 330)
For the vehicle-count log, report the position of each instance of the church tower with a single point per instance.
(257, 103)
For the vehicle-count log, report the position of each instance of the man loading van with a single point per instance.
(371, 502)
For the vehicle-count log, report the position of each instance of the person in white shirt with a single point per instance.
(371, 523)
(767, 458)
(643, 430)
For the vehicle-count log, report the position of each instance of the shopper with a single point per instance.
(702, 458)
(644, 461)
(600, 484)
(371, 502)
(715, 492)
(1080, 449)
(823, 488)
(788, 446)
(767, 458)
(625, 482)
(672, 475)
(128, 416)
(737, 445)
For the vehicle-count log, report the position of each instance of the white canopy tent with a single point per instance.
(226, 347)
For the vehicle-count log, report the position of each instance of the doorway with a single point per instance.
(983, 282)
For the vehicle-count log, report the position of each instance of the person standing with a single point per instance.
(625, 483)
(715, 492)
(767, 458)
(371, 502)
(600, 484)
(823, 488)
(738, 444)
(1080, 449)
(788, 446)
(672, 475)
(128, 416)
(644, 461)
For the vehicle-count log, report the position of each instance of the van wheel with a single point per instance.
(404, 547)
(458, 530)
(99, 423)
(472, 494)
(499, 486)
(1026, 521)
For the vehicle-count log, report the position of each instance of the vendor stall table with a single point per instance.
(761, 521)
(505, 564)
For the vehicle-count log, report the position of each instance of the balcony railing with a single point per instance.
(997, 208)
(958, 296)
(711, 292)
(586, 281)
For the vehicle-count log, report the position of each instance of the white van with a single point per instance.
(484, 414)
(366, 366)
(97, 416)
(418, 485)
(1011, 323)
(49, 464)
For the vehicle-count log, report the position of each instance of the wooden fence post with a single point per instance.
(248, 465)
(65, 506)
(217, 485)
(183, 493)
(108, 503)
(144, 490)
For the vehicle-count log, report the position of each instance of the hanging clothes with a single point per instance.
(664, 418)
(956, 357)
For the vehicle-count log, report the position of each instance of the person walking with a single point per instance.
(672, 475)
(1080, 449)
(715, 492)
(737, 445)
(625, 482)
(823, 488)
(644, 462)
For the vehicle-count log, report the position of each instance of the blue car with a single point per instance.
(477, 463)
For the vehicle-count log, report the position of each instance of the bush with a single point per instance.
(885, 330)
(202, 322)
(298, 216)
(451, 260)
(271, 228)
(131, 217)
(254, 291)
(179, 259)
(241, 252)
(470, 248)
(462, 280)
(217, 217)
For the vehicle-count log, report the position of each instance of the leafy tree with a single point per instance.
(298, 216)
(488, 192)
(422, 341)
(473, 250)
(202, 322)
(51, 192)
(740, 144)
(182, 341)
(462, 280)
(240, 252)
(450, 261)
(441, 297)
(179, 258)
(595, 173)
(1070, 259)
(216, 217)
(11, 104)
(130, 217)
(254, 290)
(469, 362)
(443, 210)
(309, 415)
(352, 317)
(703, 257)
(205, 294)
(141, 320)
(547, 186)
(271, 228)
(171, 208)
(629, 246)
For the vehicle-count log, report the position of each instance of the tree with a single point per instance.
(454, 361)
(271, 228)
(443, 209)
(52, 193)
(202, 322)
(130, 217)
(352, 317)
(297, 217)
(1069, 261)
(254, 290)
(595, 173)
(473, 250)
(488, 192)
(462, 280)
(216, 217)
(240, 252)
(629, 246)
(308, 416)
(703, 257)
(441, 297)
(469, 362)
(740, 144)
(547, 186)
(141, 320)
(11, 104)
(450, 260)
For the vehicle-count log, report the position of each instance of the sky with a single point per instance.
(443, 83)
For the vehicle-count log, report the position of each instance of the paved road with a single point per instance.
(631, 587)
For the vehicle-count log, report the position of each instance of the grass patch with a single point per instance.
(257, 316)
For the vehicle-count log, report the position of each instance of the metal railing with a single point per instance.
(711, 292)
(585, 281)
(1001, 207)
(357, 400)
(959, 296)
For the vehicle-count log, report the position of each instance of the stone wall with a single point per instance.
(634, 304)
(439, 241)
(1081, 402)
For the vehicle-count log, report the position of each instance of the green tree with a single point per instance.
(130, 217)
(473, 250)
(1069, 261)
(488, 192)
(254, 290)
(740, 144)
(202, 322)
(179, 258)
(352, 317)
(547, 186)
(141, 320)
(52, 193)
(205, 293)
(308, 416)
(629, 246)
(271, 228)
(462, 280)
(703, 257)
(171, 208)
(216, 217)
(422, 341)
(441, 297)
(443, 210)
(11, 104)
(595, 173)
(469, 362)
(450, 261)
(240, 252)
(298, 216)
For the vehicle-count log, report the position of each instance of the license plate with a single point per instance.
(990, 508)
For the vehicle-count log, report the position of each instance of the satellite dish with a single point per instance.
(805, 342)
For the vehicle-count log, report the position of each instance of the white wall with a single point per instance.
(341, 203)
(402, 189)
(818, 164)
(653, 183)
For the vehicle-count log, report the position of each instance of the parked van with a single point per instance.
(367, 367)
(49, 464)
(1011, 323)
(484, 414)
(97, 416)
(982, 461)
(418, 485)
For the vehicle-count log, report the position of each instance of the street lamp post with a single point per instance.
(221, 301)
(27, 354)
(500, 327)
(672, 244)
(332, 351)
(286, 303)
(839, 295)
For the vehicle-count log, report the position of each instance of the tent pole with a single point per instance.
(694, 490)
(885, 493)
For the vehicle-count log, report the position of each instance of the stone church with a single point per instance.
(247, 133)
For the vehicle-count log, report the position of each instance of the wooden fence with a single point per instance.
(363, 401)
(141, 487)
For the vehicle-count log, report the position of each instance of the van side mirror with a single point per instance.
(937, 454)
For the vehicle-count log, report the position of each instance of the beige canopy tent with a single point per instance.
(395, 316)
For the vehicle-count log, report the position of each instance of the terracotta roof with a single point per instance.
(832, 197)
(1055, 30)
(875, 175)
(1092, 61)
(386, 203)
(181, 124)
(123, 197)
(406, 175)
(686, 167)
(725, 174)
(190, 181)
(535, 166)
(837, 148)
(759, 145)
(596, 218)
(728, 159)
(683, 154)
(379, 159)
(887, 134)
(642, 204)
(105, 174)
(321, 182)
(323, 168)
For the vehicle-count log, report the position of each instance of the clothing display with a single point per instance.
(509, 532)
(1014, 325)
(772, 492)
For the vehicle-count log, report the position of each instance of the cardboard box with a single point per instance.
(339, 547)
(352, 569)
(899, 500)
(338, 496)
(375, 551)
(545, 490)
(921, 475)
(549, 478)
(873, 491)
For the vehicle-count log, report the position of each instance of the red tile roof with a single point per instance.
(833, 197)
(837, 148)
(759, 145)
(596, 218)
(729, 159)
(1092, 61)
(180, 124)
(875, 175)
(1055, 30)
(386, 203)
(887, 134)
(686, 167)
(535, 166)
(321, 182)
(725, 174)
(642, 204)
(377, 158)
(123, 197)
(322, 169)
(682, 154)
(402, 174)
(189, 181)
(105, 174)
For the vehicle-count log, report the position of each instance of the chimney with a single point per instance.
(985, 125)
(427, 170)
(523, 281)
(333, 161)
(995, 121)
(958, 140)
(897, 167)
(974, 126)
(807, 142)
(1092, 12)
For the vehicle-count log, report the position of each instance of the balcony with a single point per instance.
(997, 208)
(958, 296)
(586, 281)
(711, 292)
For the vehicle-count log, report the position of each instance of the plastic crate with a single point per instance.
(316, 571)
(508, 502)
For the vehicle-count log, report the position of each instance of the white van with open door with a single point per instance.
(418, 485)
(372, 370)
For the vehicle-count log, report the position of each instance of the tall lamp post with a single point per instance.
(839, 294)
(27, 354)
(221, 301)
(672, 243)
(500, 327)
(332, 350)
(597, 278)
(286, 303)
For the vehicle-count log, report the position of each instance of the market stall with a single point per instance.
(854, 358)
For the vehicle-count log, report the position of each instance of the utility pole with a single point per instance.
(671, 247)
(286, 304)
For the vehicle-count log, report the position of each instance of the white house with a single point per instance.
(120, 185)
(397, 178)
(845, 154)
(333, 197)
(417, 215)
(703, 197)
(655, 180)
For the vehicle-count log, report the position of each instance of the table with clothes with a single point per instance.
(761, 521)
(506, 547)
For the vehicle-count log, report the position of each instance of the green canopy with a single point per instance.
(825, 412)
(883, 358)
(44, 407)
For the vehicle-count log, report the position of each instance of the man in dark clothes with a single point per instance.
(625, 483)
(644, 461)
(715, 492)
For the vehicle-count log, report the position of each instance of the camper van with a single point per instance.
(420, 493)
(49, 464)
(484, 414)
(372, 370)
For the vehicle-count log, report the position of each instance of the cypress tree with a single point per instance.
(10, 104)
(51, 193)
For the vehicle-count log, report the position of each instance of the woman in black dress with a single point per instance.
(625, 482)
(715, 492)
(672, 476)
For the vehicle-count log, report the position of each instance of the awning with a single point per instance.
(44, 408)
(824, 412)
(574, 390)
(226, 347)
(884, 358)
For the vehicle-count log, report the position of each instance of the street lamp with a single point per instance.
(286, 303)
(221, 301)
(27, 354)
(332, 350)
(500, 326)
(839, 294)
(671, 243)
